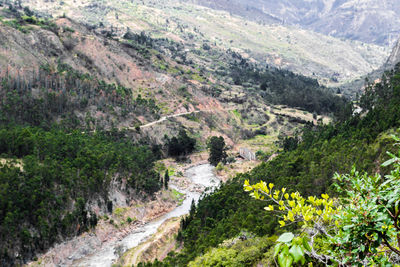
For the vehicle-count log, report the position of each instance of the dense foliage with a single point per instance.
(40, 97)
(48, 180)
(241, 251)
(217, 150)
(181, 145)
(284, 87)
(358, 141)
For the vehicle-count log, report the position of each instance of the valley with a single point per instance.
(115, 115)
(115, 239)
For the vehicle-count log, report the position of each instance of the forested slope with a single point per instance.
(360, 140)
(49, 194)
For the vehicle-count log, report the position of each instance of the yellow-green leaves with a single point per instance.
(296, 207)
(271, 185)
(269, 208)
(247, 186)
(293, 208)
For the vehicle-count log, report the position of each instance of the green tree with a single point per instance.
(181, 145)
(166, 179)
(217, 148)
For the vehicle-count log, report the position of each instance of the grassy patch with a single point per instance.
(171, 171)
(197, 77)
(192, 117)
(237, 114)
(180, 197)
(17, 25)
(119, 212)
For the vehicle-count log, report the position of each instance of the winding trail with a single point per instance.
(200, 175)
(164, 118)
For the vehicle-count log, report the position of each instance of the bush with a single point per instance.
(220, 166)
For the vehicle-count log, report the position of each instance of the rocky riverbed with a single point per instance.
(104, 245)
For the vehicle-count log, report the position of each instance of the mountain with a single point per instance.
(369, 21)
(85, 113)
(330, 60)
(93, 93)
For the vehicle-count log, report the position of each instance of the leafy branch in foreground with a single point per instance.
(315, 215)
(360, 228)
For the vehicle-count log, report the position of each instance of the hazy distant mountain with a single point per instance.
(372, 21)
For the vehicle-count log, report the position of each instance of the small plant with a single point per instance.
(68, 29)
(220, 166)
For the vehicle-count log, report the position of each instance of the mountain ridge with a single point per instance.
(370, 21)
(284, 46)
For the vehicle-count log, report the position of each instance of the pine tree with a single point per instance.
(166, 179)
(217, 148)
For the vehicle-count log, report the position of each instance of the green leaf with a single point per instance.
(296, 252)
(285, 238)
(306, 245)
(389, 162)
(347, 227)
(277, 249)
(285, 260)
(395, 138)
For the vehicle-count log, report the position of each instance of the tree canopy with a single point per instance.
(51, 177)
(217, 149)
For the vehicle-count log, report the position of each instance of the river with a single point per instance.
(105, 257)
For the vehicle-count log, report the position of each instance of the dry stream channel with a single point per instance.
(202, 175)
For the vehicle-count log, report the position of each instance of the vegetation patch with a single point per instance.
(62, 173)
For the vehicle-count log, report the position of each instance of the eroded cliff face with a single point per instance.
(157, 247)
(394, 57)
(128, 215)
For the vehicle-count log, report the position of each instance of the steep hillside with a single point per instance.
(356, 86)
(84, 114)
(329, 59)
(394, 57)
(222, 220)
(135, 79)
(369, 21)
